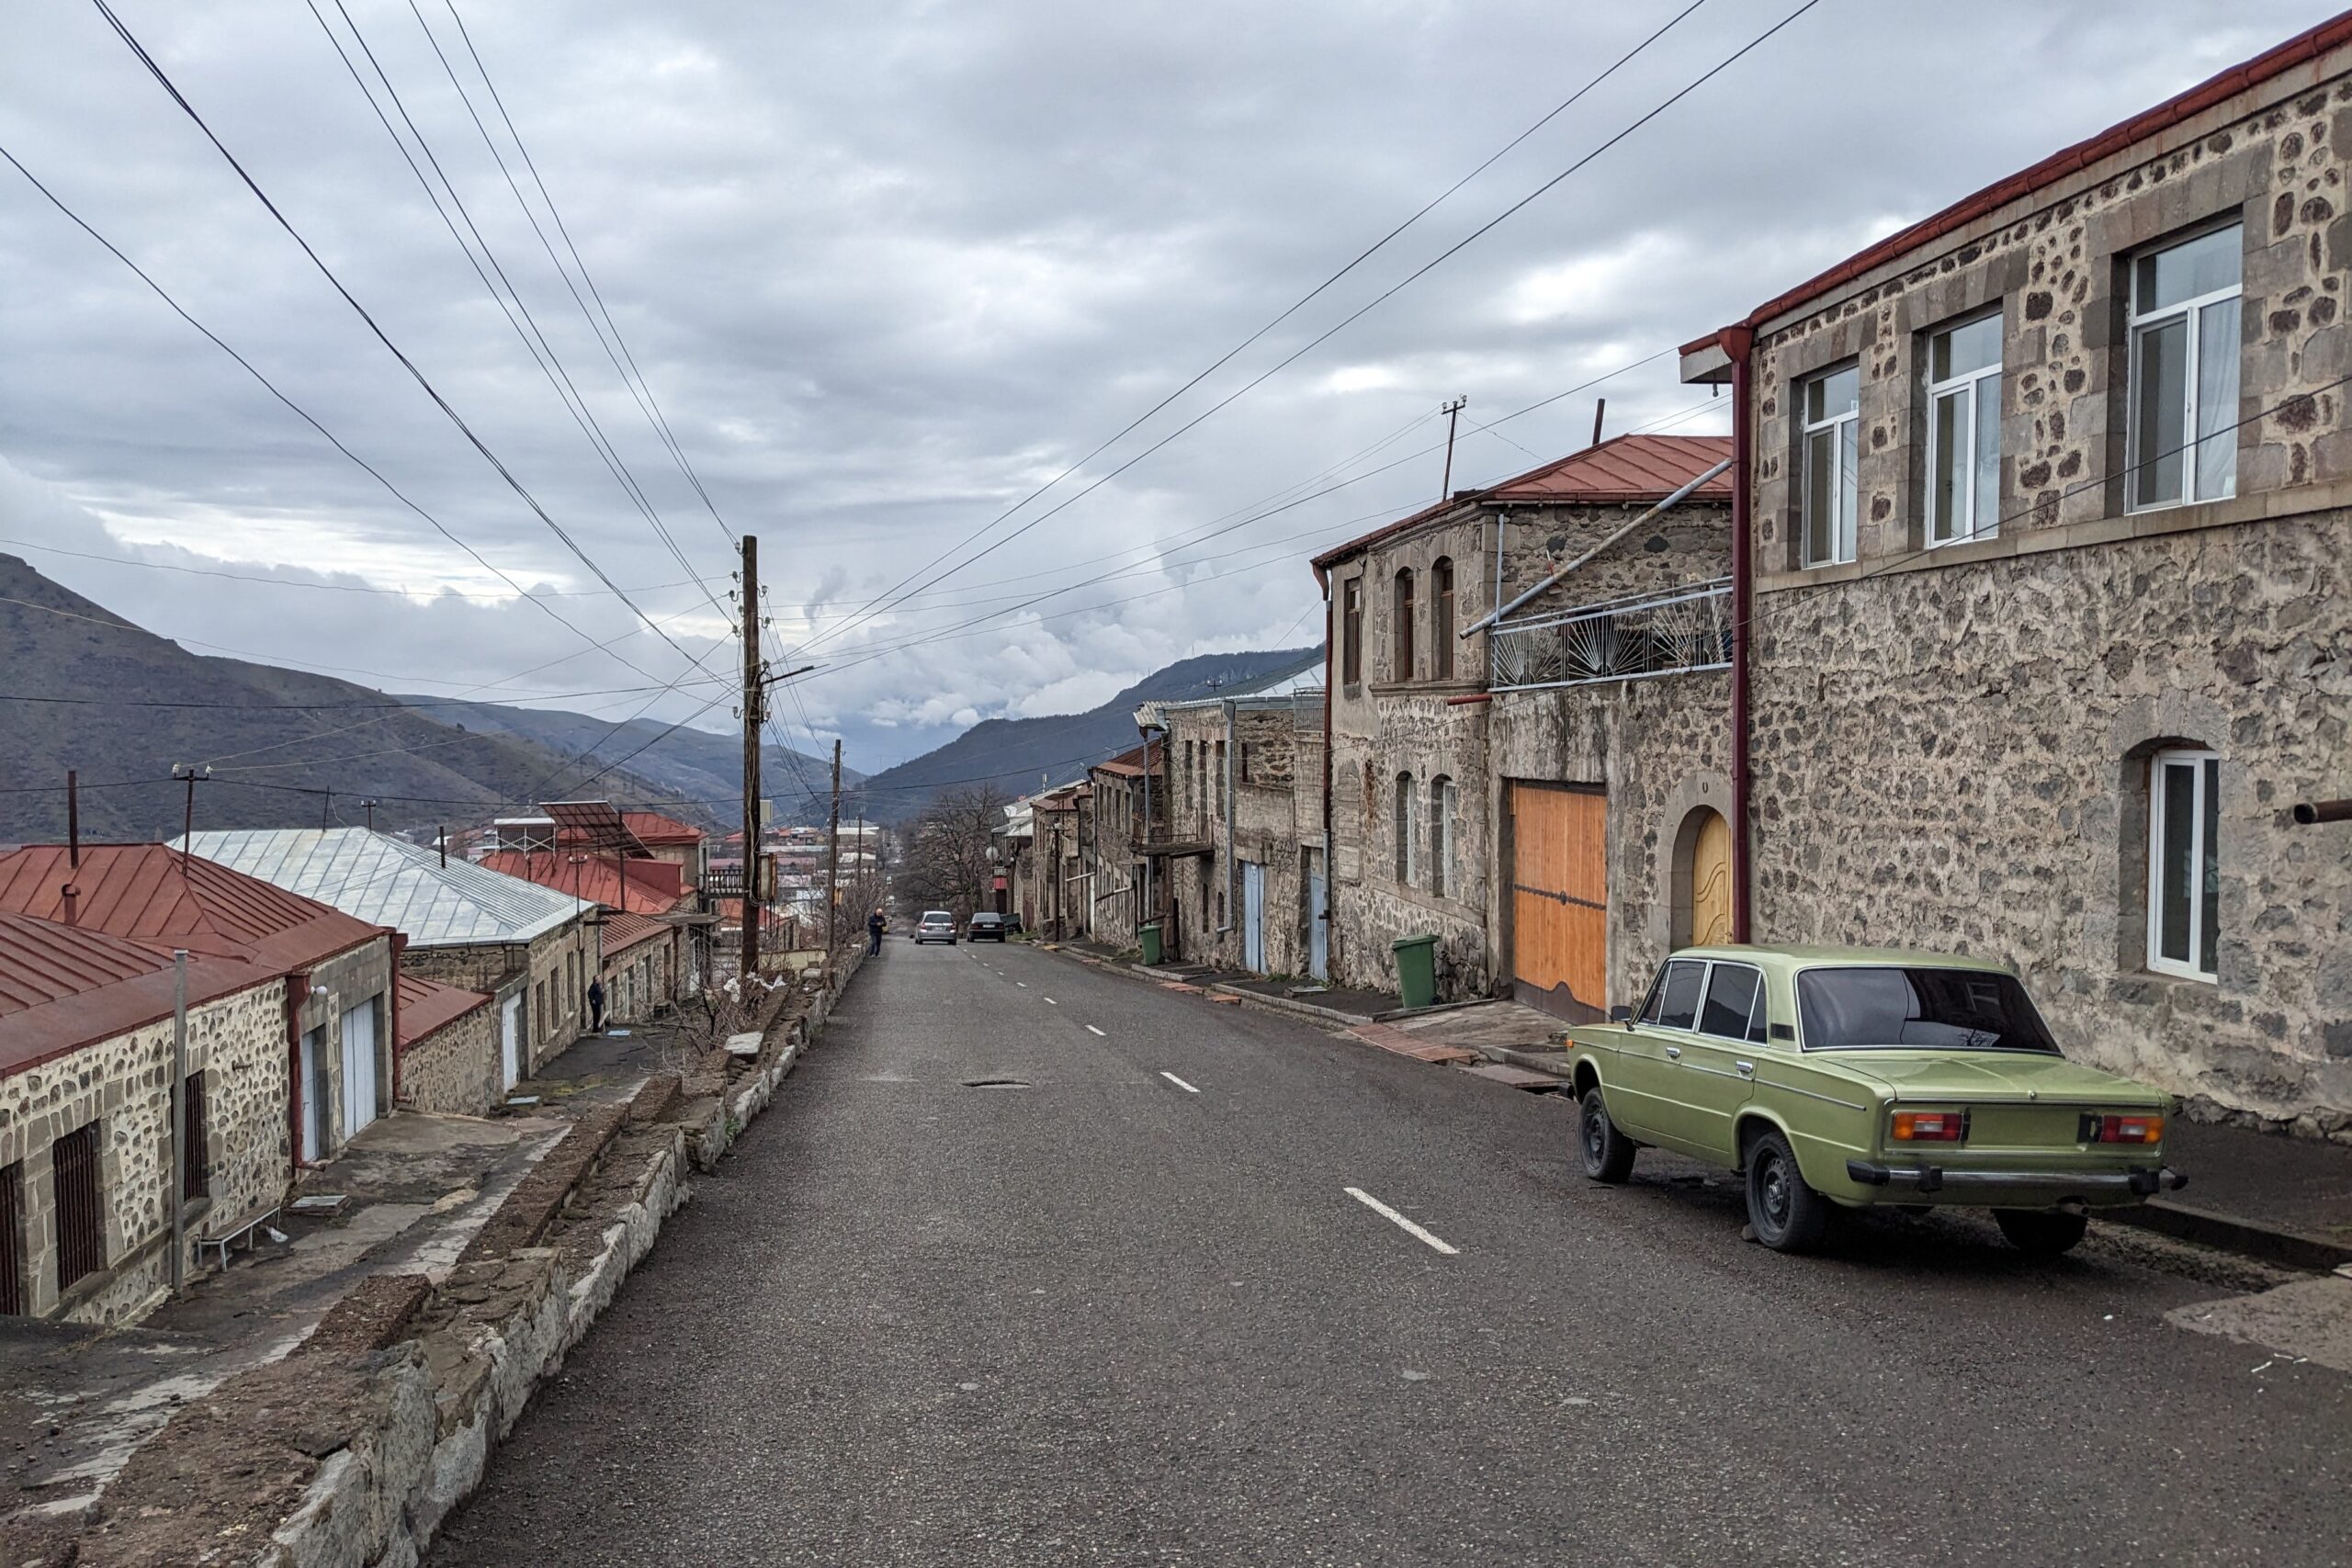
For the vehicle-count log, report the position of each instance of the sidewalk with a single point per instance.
(2265, 1194)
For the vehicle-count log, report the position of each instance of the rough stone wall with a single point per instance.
(1112, 897)
(1660, 748)
(454, 1070)
(566, 1012)
(1952, 746)
(1415, 733)
(640, 980)
(123, 1084)
(1957, 760)
(1691, 544)
(480, 967)
(2060, 275)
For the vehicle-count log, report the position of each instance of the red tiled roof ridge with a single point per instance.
(2272, 62)
(152, 892)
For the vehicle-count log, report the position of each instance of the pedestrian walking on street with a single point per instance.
(595, 1004)
(875, 924)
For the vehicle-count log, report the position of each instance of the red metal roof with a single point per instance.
(1622, 470)
(2297, 50)
(64, 986)
(427, 1005)
(652, 827)
(153, 895)
(653, 886)
(1134, 763)
(626, 930)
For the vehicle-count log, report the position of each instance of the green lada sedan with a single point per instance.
(1852, 1076)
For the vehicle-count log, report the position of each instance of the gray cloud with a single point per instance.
(888, 267)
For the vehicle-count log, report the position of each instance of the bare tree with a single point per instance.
(944, 863)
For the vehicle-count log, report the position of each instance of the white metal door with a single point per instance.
(314, 1101)
(1319, 929)
(510, 1042)
(358, 1068)
(1254, 917)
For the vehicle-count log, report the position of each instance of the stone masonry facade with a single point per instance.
(1951, 747)
(550, 972)
(238, 1043)
(454, 1070)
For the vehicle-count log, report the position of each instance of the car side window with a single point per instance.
(1730, 1008)
(1676, 1003)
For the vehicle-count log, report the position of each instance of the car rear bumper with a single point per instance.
(2091, 1185)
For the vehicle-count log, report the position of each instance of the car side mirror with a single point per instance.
(1621, 1015)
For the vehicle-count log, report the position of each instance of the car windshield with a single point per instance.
(938, 918)
(1918, 1007)
(986, 920)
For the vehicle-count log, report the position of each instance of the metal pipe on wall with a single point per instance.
(178, 1187)
(1737, 342)
(1666, 505)
(1224, 927)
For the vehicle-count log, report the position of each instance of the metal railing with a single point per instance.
(1675, 633)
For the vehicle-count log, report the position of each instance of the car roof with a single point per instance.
(1798, 956)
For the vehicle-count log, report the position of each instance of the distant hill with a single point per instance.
(694, 764)
(1015, 754)
(117, 725)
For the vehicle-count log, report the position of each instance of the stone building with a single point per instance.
(1533, 794)
(529, 948)
(291, 1019)
(1014, 880)
(2045, 517)
(1238, 880)
(1128, 812)
(1060, 821)
(448, 1050)
(680, 844)
(644, 958)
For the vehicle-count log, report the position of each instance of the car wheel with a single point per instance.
(1608, 1153)
(1786, 1214)
(2040, 1232)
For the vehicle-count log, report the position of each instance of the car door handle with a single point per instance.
(1746, 1070)
(1674, 1052)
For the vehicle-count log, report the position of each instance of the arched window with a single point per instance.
(1445, 805)
(1441, 619)
(1408, 831)
(1401, 653)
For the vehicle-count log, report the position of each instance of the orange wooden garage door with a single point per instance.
(1560, 899)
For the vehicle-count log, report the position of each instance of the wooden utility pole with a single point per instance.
(755, 698)
(833, 863)
(193, 774)
(1452, 412)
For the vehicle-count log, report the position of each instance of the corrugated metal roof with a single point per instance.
(626, 930)
(652, 885)
(152, 894)
(377, 877)
(427, 1005)
(64, 986)
(1623, 469)
(1307, 677)
(652, 827)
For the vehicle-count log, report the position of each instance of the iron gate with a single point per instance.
(80, 1224)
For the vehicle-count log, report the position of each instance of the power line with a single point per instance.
(1285, 314)
(497, 464)
(427, 594)
(300, 411)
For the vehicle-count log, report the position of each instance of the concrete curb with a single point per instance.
(1292, 1005)
(2292, 1249)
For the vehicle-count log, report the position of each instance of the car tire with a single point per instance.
(1783, 1210)
(1608, 1153)
(2040, 1232)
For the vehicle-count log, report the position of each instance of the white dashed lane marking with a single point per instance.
(1092, 1030)
(1408, 1226)
(1051, 1003)
(1179, 1083)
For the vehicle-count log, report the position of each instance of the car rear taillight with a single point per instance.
(2122, 1130)
(1930, 1126)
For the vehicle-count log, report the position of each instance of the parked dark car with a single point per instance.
(936, 925)
(986, 926)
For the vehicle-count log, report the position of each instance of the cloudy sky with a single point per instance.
(887, 269)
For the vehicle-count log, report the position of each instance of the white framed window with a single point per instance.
(2180, 435)
(1964, 431)
(1832, 409)
(1408, 831)
(2184, 863)
(1445, 805)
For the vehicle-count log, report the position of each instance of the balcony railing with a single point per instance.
(1619, 639)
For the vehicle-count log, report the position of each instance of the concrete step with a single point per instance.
(1513, 1077)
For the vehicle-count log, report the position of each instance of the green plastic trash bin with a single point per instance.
(1416, 969)
(1150, 934)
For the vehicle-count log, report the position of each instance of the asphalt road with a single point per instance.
(1132, 1314)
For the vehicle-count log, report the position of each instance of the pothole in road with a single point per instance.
(995, 1083)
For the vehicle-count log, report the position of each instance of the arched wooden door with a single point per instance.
(1711, 881)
